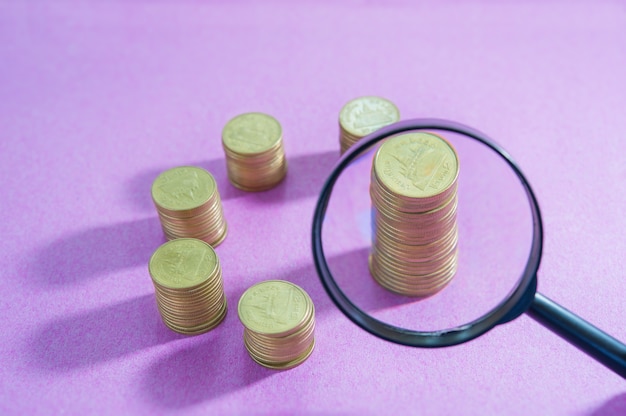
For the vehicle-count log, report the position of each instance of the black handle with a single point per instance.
(598, 344)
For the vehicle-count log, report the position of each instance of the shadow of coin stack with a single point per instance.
(414, 195)
(362, 116)
(279, 323)
(255, 156)
(187, 280)
(189, 205)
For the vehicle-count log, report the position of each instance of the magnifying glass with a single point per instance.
(500, 248)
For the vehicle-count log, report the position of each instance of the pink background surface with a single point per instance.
(97, 98)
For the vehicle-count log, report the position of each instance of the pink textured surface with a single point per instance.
(97, 98)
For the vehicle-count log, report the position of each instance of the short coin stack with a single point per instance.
(279, 323)
(255, 156)
(189, 205)
(414, 196)
(187, 279)
(363, 116)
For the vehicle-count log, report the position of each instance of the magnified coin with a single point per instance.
(416, 245)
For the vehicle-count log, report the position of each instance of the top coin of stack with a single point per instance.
(187, 279)
(414, 195)
(189, 205)
(255, 157)
(363, 116)
(279, 323)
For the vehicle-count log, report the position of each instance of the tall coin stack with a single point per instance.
(187, 279)
(255, 157)
(363, 116)
(414, 195)
(279, 323)
(189, 205)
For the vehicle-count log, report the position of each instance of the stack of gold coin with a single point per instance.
(279, 323)
(255, 157)
(414, 196)
(363, 116)
(187, 279)
(189, 205)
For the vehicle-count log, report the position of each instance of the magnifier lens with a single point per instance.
(495, 237)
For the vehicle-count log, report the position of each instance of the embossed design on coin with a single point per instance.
(182, 188)
(272, 307)
(365, 115)
(251, 133)
(183, 262)
(417, 165)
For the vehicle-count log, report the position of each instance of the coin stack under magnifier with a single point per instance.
(279, 324)
(255, 156)
(187, 280)
(363, 116)
(414, 195)
(189, 205)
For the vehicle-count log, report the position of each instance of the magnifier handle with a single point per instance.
(595, 342)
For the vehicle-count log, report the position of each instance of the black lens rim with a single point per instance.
(515, 303)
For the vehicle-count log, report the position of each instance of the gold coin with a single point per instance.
(365, 115)
(273, 307)
(409, 240)
(183, 263)
(199, 329)
(188, 309)
(271, 155)
(401, 283)
(397, 207)
(212, 284)
(183, 188)
(255, 156)
(287, 365)
(279, 323)
(385, 198)
(425, 272)
(251, 133)
(280, 353)
(413, 191)
(191, 319)
(415, 255)
(273, 340)
(207, 215)
(415, 287)
(416, 165)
